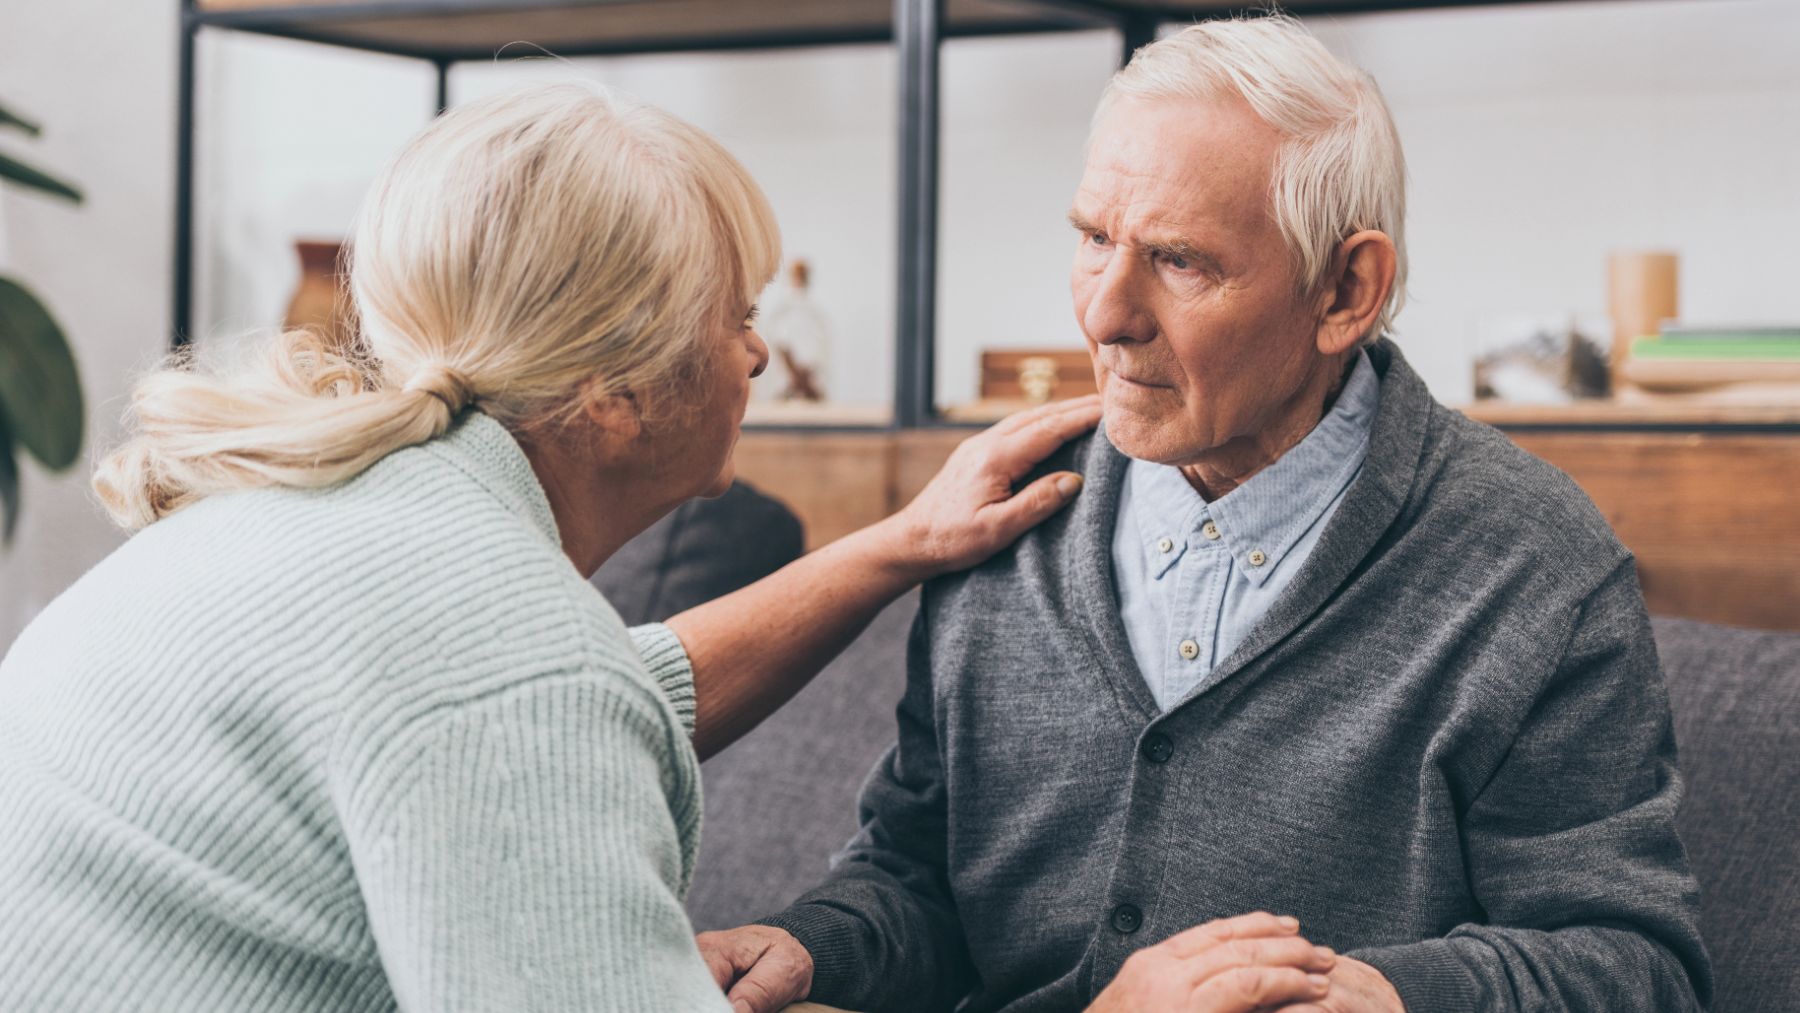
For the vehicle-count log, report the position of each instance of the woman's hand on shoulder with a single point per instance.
(969, 510)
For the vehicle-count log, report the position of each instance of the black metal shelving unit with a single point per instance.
(446, 32)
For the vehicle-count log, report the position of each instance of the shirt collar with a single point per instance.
(1260, 521)
(1166, 511)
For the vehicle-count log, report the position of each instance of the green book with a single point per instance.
(1729, 332)
(1771, 348)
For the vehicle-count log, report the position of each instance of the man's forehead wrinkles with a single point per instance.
(1141, 220)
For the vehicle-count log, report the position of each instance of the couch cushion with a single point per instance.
(782, 799)
(702, 550)
(1735, 695)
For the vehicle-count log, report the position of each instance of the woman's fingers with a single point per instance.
(1031, 505)
(1037, 436)
(1250, 988)
(1020, 419)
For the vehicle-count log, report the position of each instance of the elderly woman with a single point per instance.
(344, 727)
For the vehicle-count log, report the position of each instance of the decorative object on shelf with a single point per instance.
(1037, 378)
(1035, 375)
(40, 387)
(801, 384)
(799, 341)
(1538, 361)
(1642, 292)
(321, 303)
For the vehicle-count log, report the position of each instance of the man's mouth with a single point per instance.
(1134, 381)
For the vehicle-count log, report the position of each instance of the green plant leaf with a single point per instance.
(8, 118)
(40, 388)
(25, 175)
(9, 483)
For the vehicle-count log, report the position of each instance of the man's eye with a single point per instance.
(1177, 262)
(1097, 238)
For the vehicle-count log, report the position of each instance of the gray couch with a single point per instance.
(782, 799)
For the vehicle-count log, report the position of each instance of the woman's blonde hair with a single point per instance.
(1340, 169)
(522, 253)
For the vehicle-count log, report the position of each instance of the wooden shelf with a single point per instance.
(451, 30)
(816, 413)
(476, 29)
(1669, 413)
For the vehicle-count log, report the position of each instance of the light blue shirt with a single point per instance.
(1194, 577)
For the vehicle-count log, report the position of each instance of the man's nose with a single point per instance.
(1115, 309)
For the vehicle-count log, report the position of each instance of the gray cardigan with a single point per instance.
(1446, 750)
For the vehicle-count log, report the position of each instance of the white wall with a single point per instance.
(106, 98)
(1539, 137)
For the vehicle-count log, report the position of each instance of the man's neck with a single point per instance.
(1223, 468)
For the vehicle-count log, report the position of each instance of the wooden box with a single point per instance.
(1035, 375)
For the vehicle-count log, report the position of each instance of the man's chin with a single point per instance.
(1140, 438)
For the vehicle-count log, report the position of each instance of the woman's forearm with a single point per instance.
(753, 649)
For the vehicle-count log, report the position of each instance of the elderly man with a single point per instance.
(1310, 643)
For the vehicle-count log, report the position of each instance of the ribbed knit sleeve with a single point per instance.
(668, 663)
(520, 852)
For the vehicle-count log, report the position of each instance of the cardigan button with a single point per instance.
(1157, 748)
(1126, 919)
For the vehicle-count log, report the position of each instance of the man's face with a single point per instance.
(1183, 284)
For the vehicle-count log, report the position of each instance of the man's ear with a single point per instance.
(1356, 289)
(615, 415)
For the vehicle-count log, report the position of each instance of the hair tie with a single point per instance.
(445, 384)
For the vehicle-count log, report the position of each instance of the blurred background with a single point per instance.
(1602, 210)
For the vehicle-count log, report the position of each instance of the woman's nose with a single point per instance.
(759, 354)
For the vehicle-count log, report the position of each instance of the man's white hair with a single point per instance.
(1340, 169)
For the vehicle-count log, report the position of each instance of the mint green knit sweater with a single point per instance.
(349, 749)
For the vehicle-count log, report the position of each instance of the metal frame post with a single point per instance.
(443, 85)
(182, 305)
(1139, 30)
(917, 30)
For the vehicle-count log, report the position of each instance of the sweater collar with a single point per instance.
(484, 450)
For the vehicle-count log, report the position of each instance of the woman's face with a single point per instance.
(735, 354)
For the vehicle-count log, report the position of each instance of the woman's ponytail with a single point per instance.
(300, 415)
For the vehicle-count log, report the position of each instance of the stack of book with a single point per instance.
(1761, 362)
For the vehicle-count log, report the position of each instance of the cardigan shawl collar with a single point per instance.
(1371, 505)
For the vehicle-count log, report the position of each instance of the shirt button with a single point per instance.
(1157, 748)
(1211, 531)
(1257, 558)
(1189, 650)
(1165, 545)
(1126, 919)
